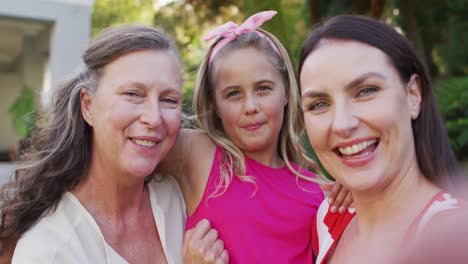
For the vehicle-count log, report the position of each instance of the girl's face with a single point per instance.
(250, 98)
(358, 113)
(135, 112)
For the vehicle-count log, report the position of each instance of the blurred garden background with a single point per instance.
(437, 28)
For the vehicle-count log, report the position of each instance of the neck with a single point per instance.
(396, 205)
(268, 158)
(108, 192)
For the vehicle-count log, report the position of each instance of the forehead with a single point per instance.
(341, 60)
(147, 66)
(242, 65)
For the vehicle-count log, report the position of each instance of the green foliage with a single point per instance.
(22, 112)
(455, 38)
(289, 25)
(114, 12)
(452, 98)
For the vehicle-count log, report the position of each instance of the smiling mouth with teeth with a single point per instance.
(144, 143)
(358, 150)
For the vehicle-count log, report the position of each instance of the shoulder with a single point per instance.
(169, 212)
(306, 172)
(327, 229)
(443, 234)
(37, 244)
(195, 137)
(64, 235)
(443, 207)
(198, 148)
(45, 241)
(308, 182)
(333, 223)
(165, 191)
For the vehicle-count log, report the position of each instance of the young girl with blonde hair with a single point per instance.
(243, 169)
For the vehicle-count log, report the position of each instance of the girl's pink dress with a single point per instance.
(269, 225)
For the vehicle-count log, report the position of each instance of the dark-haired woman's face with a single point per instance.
(135, 113)
(358, 114)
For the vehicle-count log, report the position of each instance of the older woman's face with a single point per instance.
(358, 113)
(135, 112)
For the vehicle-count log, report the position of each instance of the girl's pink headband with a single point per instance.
(231, 31)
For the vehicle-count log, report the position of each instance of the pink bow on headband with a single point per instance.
(230, 30)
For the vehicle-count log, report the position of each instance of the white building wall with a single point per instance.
(70, 32)
(10, 89)
(45, 60)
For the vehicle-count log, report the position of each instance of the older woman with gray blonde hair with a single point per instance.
(84, 192)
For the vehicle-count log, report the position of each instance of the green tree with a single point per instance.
(114, 12)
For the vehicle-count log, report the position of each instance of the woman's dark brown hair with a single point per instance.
(59, 153)
(434, 153)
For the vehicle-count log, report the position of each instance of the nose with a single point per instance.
(345, 121)
(151, 115)
(251, 105)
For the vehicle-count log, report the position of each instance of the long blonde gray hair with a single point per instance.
(289, 146)
(60, 149)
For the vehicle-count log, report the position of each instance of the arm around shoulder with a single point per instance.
(190, 148)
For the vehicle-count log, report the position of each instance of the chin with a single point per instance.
(142, 170)
(365, 180)
(255, 146)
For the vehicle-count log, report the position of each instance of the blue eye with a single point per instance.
(232, 93)
(368, 90)
(318, 106)
(264, 88)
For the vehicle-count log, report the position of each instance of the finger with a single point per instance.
(200, 230)
(327, 187)
(223, 258)
(195, 236)
(215, 251)
(334, 192)
(346, 203)
(202, 246)
(340, 198)
(210, 238)
(187, 236)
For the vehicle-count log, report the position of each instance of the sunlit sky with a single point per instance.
(165, 2)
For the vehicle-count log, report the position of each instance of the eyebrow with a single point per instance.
(357, 81)
(363, 78)
(256, 83)
(142, 85)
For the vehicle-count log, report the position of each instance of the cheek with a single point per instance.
(277, 109)
(172, 118)
(229, 115)
(317, 131)
(109, 115)
(385, 119)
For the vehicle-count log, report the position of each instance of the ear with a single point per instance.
(414, 96)
(86, 101)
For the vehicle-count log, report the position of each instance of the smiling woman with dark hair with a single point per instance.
(371, 117)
